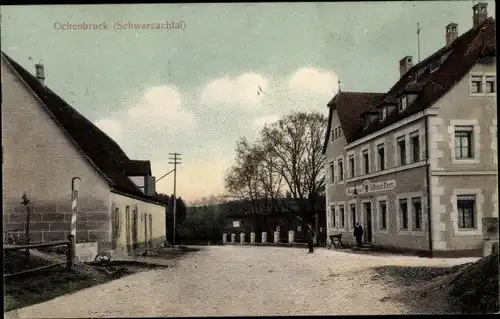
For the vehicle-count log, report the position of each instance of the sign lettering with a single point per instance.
(368, 187)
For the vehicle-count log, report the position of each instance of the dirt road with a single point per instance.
(245, 280)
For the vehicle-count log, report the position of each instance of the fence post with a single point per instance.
(70, 254)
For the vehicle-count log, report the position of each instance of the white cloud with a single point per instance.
(310, 81)
(241, 90)
(111, 127)
(260, 122)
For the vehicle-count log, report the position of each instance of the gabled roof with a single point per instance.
(100, 149)
(349, 106)
(138, 168)
(457, 60)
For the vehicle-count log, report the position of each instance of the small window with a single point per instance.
(340, 166)
(333, 135)
(402, 103)
(466, 205)
(490, 81)
(353, 215)
(383, 214)
(434, 65)
(366, 162)
(463, 142)
(341, 216)
(403, 211)
(351, 166)
(415, 147)
(332, 173)
(340, 132)
(402, 150)
(381, 156)
(417, 213)
(476, 84)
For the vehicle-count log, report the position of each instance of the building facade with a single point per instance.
(417, 166)
(45, 144)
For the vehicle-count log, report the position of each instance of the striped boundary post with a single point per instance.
(75, 187)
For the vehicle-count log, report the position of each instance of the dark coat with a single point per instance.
(358, 231)
(310, 234)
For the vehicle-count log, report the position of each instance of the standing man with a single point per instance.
(310, 234)
(358, 234)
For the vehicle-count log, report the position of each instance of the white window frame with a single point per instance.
(332, 135)
(419, 138)
(401, 108)
(342, 204)
(351, 222)
(362, 166)
(397, 139)
(331, 225)
(331, 166)
(476, 142)
(478, 231)
(340, 158)
(421, 231)
(362, 217)
(483, 76)
(375, 148)
(399, 222)
(379, 215)
(348, 156)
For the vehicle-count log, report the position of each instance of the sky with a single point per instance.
(191, 87)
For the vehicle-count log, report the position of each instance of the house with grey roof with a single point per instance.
(417, 166)
(45, 144)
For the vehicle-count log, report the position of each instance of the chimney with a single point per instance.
(405, 64)
(451, 33)
(479, 14)
(40, 75)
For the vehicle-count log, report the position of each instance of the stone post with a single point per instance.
(224, 238)
(291, 236)
(276, 237)
(242, 238)
(264, 237)
(252, 238)
(233, 238)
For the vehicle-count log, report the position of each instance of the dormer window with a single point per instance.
(402, 103)
(383, 113)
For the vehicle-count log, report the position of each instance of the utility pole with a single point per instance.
(175, 158)
(418, 41)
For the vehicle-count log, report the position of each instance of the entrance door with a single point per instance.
(368, 223)
(128, 229)
(134, 229)
(145, 218)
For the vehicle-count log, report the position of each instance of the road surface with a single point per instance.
(244, 280)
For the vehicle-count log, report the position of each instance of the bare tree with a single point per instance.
(295, 145)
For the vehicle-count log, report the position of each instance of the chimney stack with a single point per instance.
(40, 74)
(479, 14)
(405, 64)
(451, 33)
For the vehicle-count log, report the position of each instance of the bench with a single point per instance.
(337, 238)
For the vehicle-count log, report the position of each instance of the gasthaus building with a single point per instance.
(417, 166)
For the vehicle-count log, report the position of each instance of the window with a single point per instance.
(383, 214)
(353, 215)
(402, 150)
(381, 157)
(415, 147)
(402, 103)
(403, 211)
(434, 65)
(341, 216)
(466, 205)
(366, 163)
(341, 169)
(332, 173)
(417, 213)
(333, 135)
(463, 141)
(339, 132)
(476, 83)
(351, 166)
(490, 84)
(334, 218)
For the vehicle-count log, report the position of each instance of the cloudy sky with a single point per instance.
(194, 90)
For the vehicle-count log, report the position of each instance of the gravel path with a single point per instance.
(236, 281)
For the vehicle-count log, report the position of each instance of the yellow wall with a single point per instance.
(119, 227)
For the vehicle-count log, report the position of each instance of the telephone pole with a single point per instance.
(175, 158)
(418, 41)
